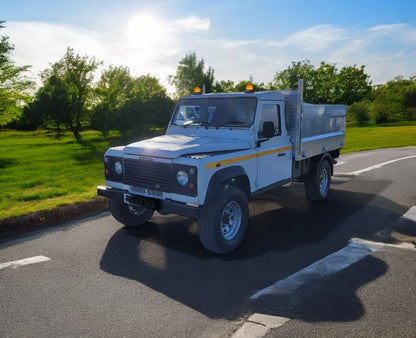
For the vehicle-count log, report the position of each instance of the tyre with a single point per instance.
(129, 215)
(318, 183)
(224, 219)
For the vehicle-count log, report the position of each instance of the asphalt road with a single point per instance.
(96, 278)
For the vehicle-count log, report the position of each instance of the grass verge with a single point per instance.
(367, 138)
(39, 172)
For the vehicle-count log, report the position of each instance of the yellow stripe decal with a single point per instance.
(245, 157)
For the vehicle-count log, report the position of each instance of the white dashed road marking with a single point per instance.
(25, 261)
(329, 265)
(377, 166)
(258, 325)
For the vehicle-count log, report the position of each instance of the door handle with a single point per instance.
(281, 154)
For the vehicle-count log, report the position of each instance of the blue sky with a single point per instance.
(237, 38)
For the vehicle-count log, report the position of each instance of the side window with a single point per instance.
(270, 113)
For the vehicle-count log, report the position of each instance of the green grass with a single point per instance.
(39, 172)
(367, 138)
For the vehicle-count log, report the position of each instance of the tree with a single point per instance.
(392, 102)
(129, 104)
(359, 110)
(325, 84)
(49, 107)
(69, 78)
(148, 107)
(223, 86)
(288, 78)
(189, 74)
(409, 100)
(354, 84)
(113, 91)
(15, 86)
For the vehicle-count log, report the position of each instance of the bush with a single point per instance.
(359, 110)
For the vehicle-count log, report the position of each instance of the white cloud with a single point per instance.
(193, 24)
(388, 29)
(151, 44)
(316, 38)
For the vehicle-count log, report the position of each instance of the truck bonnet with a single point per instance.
(174, 146)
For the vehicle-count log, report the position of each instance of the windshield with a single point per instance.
(216, 112)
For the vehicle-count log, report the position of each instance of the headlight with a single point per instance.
(182, 177)
(118, 167)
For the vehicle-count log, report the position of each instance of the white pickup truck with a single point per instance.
(219, 150)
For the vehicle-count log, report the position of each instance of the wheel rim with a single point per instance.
(323, 182)
(231, 220)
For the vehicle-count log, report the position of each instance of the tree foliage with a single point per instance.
(359, 111)
(326, 84)
(288, 78)
(49, 107)
(231, 87)
(65, 97)
(15, 86)
(224, 86)
(394, 101)
(189, 74)
(130, 104)
(113, 91)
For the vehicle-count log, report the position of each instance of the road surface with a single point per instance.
(303, 269)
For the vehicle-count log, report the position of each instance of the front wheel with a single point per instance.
(224, 220)
(318, 183)
(129, 215)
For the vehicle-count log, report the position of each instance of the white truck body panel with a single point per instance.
(314, 128)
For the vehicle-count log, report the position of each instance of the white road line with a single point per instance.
(258, 325)
(329, 265)
(410, 214)
(377, 166)
(25, 261)
(403, 245)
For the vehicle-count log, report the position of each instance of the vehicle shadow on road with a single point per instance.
(329, 299)
(286, 233)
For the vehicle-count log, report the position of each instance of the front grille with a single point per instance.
(148, 174)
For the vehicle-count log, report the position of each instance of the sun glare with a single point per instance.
(147, 31)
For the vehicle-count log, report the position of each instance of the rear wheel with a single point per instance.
(223, 223)
(318, 183)
(129, 215)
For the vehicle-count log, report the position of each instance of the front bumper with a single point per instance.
(162, 206)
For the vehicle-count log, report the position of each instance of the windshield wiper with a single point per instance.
(197, 123)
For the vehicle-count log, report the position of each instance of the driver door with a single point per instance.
(274, 155)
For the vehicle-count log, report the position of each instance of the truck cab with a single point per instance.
(218, 151)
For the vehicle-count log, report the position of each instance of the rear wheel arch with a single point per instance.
(318, 181)
(317, 161)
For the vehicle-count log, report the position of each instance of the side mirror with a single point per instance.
(268, 129)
